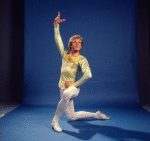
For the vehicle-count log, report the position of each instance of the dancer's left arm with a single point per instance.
(86, 72)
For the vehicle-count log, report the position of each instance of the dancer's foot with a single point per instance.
(56, 127)
(100, 115)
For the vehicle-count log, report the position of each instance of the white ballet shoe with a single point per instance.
(56, 127)
(100, 115)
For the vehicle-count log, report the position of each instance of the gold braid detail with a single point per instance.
(75, 60)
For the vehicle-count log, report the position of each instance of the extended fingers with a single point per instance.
(58, 17)
(63, 20)
(60, 21)
(58, 14)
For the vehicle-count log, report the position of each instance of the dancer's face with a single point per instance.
(76, 45)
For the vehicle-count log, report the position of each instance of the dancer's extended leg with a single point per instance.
(72, 115)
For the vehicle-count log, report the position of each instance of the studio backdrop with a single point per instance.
(108, 28)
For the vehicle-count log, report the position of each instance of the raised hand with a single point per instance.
(58, 20)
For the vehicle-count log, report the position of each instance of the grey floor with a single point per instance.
(147, 107)
(6, 108)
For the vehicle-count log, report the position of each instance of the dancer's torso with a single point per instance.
(69, 70)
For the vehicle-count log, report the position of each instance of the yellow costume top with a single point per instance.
(71, 66)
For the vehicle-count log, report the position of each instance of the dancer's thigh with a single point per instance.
(70, 108)
(71, 92)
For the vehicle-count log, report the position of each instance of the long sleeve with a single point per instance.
(86, 72)
(62, 50)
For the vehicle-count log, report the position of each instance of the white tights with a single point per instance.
(66, 104)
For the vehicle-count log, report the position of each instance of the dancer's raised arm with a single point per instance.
(57, 36)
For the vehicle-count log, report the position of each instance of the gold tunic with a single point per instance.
(71, 67)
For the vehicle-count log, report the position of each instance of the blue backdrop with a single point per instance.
(108, 28)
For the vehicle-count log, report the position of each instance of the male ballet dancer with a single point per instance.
(72, 65)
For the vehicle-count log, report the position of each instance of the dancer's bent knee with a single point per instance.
(71, 92)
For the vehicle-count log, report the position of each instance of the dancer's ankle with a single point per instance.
(56, 118)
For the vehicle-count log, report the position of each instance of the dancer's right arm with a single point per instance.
(59, 41)
(57, 36)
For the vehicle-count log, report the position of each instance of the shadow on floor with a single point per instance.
(87, 131)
